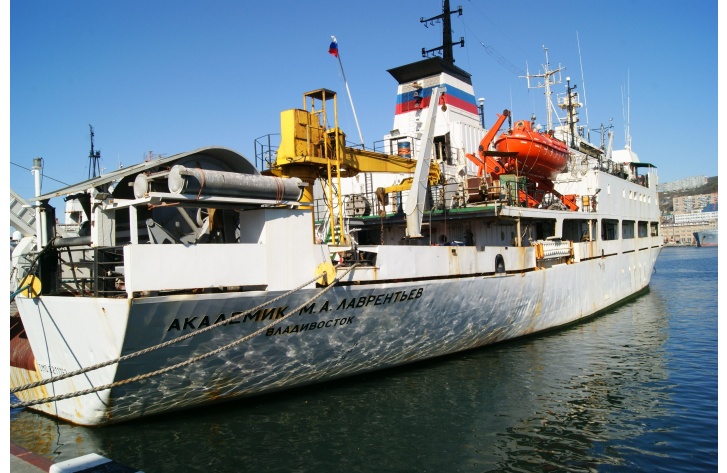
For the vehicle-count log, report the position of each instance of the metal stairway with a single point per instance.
(22, 215)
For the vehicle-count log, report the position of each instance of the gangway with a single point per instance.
(22, 214)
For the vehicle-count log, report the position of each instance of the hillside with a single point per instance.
(665, 198)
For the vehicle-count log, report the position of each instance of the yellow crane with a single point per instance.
(309, 150)
(307, 147)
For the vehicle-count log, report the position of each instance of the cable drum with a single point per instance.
(183, 180)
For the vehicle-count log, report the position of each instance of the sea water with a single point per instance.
(632, 389)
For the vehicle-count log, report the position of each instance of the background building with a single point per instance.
(692, 213)
(682, 184)
(693, 203)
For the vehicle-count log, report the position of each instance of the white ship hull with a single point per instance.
(349, 330)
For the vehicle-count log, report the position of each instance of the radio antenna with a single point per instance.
(94, 166)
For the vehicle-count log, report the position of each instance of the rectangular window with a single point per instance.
(654, 229)
(609, 229)
(627, 229)
(575, 229)
(643, 229)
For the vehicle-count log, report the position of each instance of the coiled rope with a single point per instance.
(170, 342)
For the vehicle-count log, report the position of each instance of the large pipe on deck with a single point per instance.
(183, 180)
(72, 241)
(145, 183)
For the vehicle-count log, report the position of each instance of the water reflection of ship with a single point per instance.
(510, 406)
(48, 438)
(582, 397)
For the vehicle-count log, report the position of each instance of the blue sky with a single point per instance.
(172, 76)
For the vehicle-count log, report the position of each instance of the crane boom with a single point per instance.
(301, 152)
(485, 163)
(414, 205)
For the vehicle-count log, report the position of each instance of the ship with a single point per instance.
(707, 238)
(204, 277)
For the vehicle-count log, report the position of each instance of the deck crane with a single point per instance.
(496, 163)
(310, 150)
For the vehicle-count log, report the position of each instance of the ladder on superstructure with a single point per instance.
(368, 184)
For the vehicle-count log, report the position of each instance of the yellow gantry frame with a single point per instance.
(320, 94)
(307, 147)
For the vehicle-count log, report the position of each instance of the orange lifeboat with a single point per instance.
(538, 155)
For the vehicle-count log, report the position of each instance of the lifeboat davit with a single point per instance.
(538, 155)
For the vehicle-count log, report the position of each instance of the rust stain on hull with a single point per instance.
(534, 318)
(23, 368)
(20, 377)
(21, 355)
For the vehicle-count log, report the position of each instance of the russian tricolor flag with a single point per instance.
(333, 48)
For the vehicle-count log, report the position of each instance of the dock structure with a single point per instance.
(25, 461)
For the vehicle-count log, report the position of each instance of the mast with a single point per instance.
(447, 44)
(628, 110)
(546, 76)
(94, 167)
(583, 84)
(572, 115)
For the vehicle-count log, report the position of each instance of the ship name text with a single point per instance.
(274, 313)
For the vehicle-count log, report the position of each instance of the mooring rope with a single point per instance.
(155, 347)
(13, 294)
(170, 342)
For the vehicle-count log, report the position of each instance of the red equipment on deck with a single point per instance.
(525, 152)
(539, 155)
